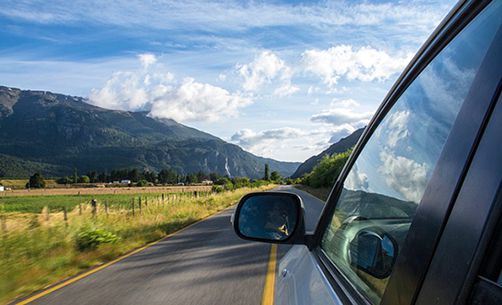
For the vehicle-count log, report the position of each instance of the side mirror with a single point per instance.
(373, 253)
(270, 217)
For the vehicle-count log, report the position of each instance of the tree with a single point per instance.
(64, 180)
(266, 175)
(102, 177)
(167, 176)
(191, 178)
(214, 177)
(134, 175)
(75, 176)
(84, 179)
(36, 181)
(149, 176)
(93, 176)
(275, 176)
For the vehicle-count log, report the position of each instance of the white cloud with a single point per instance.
(294, 143)
(346, 103)
(132, 90)
(364, 64)
(406, 176)
(340, 116)
(147, 59)
(165, 14)
(265, 69)
(356, 180)
(397, 127)
(159, 93)
(270, 143)
(193, 101)
(248, 138)
(286, 89)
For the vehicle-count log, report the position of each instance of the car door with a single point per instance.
(385, 215)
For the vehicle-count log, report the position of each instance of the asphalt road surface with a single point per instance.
(204, 264)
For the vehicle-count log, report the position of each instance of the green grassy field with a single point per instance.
(42, 246)
(35, 204)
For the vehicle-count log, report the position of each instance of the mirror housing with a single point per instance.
(373, 253)
(273, 217)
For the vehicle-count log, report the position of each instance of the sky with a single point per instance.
(281, 79)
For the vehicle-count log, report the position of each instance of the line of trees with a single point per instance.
(165, 176)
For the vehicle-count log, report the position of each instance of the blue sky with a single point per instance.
(282, 79)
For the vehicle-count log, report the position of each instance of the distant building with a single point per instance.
(125, 181)
(207, 182)
(2, 188)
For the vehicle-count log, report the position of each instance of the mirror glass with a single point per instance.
(269, 217)
(373, 253)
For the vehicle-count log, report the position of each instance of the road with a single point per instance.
(204, 264)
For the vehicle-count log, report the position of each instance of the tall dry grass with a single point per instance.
(39, 249)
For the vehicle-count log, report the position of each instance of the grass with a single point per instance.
(37, 249)
(35, 204)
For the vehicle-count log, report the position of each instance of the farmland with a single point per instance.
(56, 199)
(61, 190)
(48, 238)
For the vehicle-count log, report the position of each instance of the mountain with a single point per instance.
(55, 133)
(338, 147)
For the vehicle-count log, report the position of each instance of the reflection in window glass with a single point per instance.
(387, 181)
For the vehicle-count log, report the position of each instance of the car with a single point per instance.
(415, 215)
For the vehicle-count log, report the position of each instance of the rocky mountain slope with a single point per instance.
(55, 133)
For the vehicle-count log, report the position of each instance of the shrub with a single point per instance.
(142, 182)
(222, 181)
(241, 182)
(217, 189)
(325, 173)
(84, 179)
(89, 239)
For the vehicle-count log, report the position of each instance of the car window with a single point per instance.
(386, 183)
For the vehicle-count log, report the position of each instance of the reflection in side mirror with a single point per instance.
(268, 216)
(373, 253)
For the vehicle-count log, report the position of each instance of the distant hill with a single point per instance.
(338, 147)
(55, 133)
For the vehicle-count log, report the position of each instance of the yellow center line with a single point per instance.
(268, 289)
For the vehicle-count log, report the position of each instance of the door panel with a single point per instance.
(300, 280)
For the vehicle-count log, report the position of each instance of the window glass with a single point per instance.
(385, 185)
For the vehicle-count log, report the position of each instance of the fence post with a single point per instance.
(139, 205)
(47, 213)
(3, 220)
(65, 217)
(106, 207)
(80, 209)
(94, 207)
(162, 198)
(132, 205)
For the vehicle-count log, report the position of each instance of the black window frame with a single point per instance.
(476, 216)
(447, 176)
